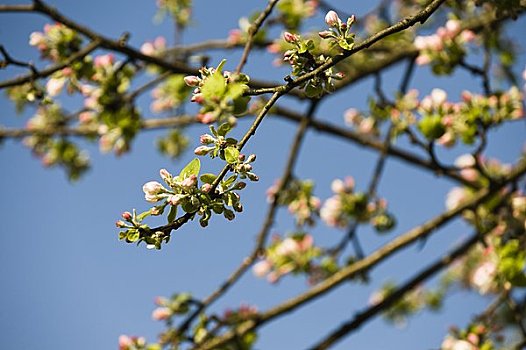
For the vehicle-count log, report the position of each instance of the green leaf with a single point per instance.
(191, 168)
(431, 126)
(240, 105)
(221, 65)
(132, 236)
(226, 183)
(172, 214)
(208, 178)
(231, 155)
(214, 87)
(224, 129)
(143, 215)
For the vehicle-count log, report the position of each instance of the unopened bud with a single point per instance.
(202, 150)
(206, 139)
(246, 167)
(240, 185)
(127, 216)
(351, 20)
(251, 158)
(332, 19)
(190, 181)
(120, 224)
(241, 157)
(206, 188)
(326, 34)
(165, 175)
(253, 177)
(192, 80)
(229, 214)
(290, 38)
(198, 98)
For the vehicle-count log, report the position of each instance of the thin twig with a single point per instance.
(252, 31)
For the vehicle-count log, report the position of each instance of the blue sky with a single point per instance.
(67, 282)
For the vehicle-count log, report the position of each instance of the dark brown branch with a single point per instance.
(48, 71)
(147, 124)
(362, 317)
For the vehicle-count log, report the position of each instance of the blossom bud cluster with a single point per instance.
(183, 191)
(170, 94)
(411, 303)
(339, 32)
(303, 60)
(218, 145)
(475, 336)
(178, 304)
(441, 120)
(293, 254)
(445, 48)
(157, 47)
(364, 125)
(298, 196)
(243, 313)
(57, 42)
(219, 93)
(55, 151)
(293, 12)
(347, 205)
(179, 10)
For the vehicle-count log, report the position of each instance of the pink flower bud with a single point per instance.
(206, 118)
(453, 27)
(192, 80)
(127, 216)
(165, 175)
(104, 60)
(206, 188)
(202, 150)
(261, 268)
(54, 86)
(152, 190)
(198, 98)
(161, 313)
(332, 19)
(190, 181)
(290, 38)
(147, 48)
(467, 36)
(125, 342)
(326, 34)
(422, 60)
(160, 301)
(36, 38)
(120, 224)
(206, 139)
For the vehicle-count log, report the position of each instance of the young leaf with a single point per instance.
(208, 178)
(224, 129)
(231, 155)
(172, 214)
(214, 87)
(191, 168)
